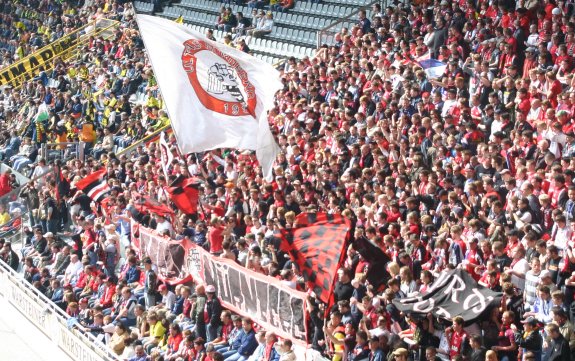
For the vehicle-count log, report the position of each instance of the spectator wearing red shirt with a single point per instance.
(457, 338)
(5, 186)
(506, 346)
(216, 236)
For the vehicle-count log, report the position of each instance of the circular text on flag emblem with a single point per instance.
(218, 80)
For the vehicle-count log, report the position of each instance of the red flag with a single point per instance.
(184, 193)
(94, 185)
(152, 206)
(317, 246)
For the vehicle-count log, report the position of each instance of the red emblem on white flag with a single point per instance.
(219, 81)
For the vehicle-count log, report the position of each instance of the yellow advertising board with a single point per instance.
(64, 48)
(29, 67)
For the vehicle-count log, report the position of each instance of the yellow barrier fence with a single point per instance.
(155, 136)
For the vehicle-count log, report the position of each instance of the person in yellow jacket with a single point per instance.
(161, 121)
(152, 101)
(335, 332)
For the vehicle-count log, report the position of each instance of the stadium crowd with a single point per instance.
(471, 169)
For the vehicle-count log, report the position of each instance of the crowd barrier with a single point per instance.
(50, 319)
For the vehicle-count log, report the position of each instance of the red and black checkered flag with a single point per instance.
(317, 245)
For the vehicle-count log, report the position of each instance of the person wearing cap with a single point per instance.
(84, 316)
(531, 340)
(213, 310)
(231, 328)
(168, 297)
(400, 354)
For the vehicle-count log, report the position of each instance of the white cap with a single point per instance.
(210, 289)
(556, 11)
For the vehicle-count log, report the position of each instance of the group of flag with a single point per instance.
(218, 97)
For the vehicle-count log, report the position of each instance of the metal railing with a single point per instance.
(14, 200)
(327, 34)
(50, 319)
(63, 151)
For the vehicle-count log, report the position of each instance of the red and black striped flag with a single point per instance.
(184, 192)
(94, 185)
(317, 246)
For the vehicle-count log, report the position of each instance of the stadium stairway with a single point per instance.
(294, 33)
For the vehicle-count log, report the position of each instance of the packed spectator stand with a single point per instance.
(472, 169)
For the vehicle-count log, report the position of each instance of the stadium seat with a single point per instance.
(315, 9)
(296, 51)
(310, 52)
(332, 11)
(290, 50)
(304, 6)
(301, 36)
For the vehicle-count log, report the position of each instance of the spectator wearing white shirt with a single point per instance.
(163, 225)
(264, 26)
(519, 268)
(533, 38)
(72, 271)
(168, 297)
(561, 232)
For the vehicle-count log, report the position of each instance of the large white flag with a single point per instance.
(216, 96)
